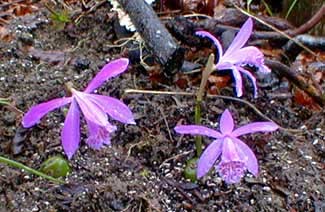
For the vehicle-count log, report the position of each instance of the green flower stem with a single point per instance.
(28, 169)
(199, 97)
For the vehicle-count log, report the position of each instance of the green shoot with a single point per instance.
(4, 101)
(59, 18)
(268, 9)
(199, 97)
(293, 4)
(249, 4)
(29, 170)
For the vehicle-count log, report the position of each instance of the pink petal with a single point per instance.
(255, 127)
(247, 156)
(197, 130)
(214, 40)
(226, 123)
(36, 112)
(241, 37)
(251, 77)
(114, 107)
(99, 135)
(90, 110)
(110, 70)
(70, 134)
(208, 158)
(238, 81)
(249, 55)
(229, 151)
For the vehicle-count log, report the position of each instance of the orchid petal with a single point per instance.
(110, 70)
(255, 127)
(251, 77)
(197, 130)
(208, 158)
(247, 156)
(70, 134)
(249, 55)
(90, 110)
(99, 135)
(229, 151)
(226, 123)
(241, 37)
(214, 40)
(238, 81)
(36, 112)
(114, 107)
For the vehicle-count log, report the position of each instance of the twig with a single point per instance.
(156, 37)
(10, 3)
(175, 157)
(309, 24)
(212, 96)
(277, 30)
(283, 70)
(93, 8)
(166, 123)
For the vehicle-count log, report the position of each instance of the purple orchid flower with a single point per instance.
(94, 107)
(238, 56)
(236, 156)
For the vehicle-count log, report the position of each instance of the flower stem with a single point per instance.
(199, 97)
(28, 169)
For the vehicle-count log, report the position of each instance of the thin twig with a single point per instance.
(309, 24)
(175, 157)
(277, 30)
(211, 96)
(166, 123)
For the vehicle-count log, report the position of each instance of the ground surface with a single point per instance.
(143, 170)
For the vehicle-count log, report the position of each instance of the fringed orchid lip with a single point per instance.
(235, 156)
(94, 107)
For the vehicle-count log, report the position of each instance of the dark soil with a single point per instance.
(143, 170)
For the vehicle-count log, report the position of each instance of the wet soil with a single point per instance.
(143, 169)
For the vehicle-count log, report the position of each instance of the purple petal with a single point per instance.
(70, 134)
(251, 77)
(226, 123)
(36, 112)
(214, 40)
(238, 82)
(99, 135)
(247, 156)
(255, 127)
(114, 107)
(241, 37)
(249, 55)
(197, 130)
(208, 158)
(110, 70)
(90, 110)
(230, 168)
(229, 152)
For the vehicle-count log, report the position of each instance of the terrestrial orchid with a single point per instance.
(238, 56)
(94, 108)
(235, 156)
